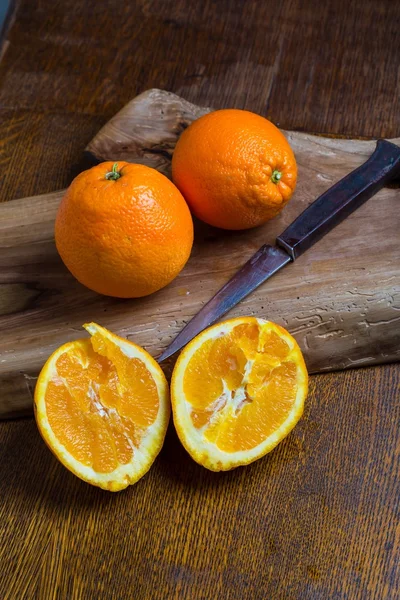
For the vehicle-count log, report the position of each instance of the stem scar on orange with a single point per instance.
(123, 229)
(235, 169)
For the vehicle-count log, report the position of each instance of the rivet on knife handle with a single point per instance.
(341, 199)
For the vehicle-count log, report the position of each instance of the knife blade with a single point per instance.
(327, 211)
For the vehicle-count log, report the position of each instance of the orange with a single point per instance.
(235, 169)
(102, 407)
(123, 230)
(237, 390)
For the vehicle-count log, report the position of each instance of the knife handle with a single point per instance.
(342, 199)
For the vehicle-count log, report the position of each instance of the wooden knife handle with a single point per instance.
(342, 199)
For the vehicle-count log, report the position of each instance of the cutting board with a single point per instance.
(341, 300)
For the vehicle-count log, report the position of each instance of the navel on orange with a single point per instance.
(235, 169)
(237, 390)
(102, 406)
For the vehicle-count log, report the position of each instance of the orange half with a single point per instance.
(237, 390)
(102, 406)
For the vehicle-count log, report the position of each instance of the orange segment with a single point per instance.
(219, 360)
(248, 392)
(137, 397)
(263, 412)
(273, 344)
(102, 406)
(68, 423)
(201, 387)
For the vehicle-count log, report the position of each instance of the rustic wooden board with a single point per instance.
(341, 300)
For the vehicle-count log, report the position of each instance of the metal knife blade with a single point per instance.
(311, 225)
(261, 266)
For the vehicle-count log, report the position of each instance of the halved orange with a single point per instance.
(237, 390)
(102, 406)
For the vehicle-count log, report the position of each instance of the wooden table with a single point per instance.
(316, 519)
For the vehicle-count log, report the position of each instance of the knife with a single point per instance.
(332, 207)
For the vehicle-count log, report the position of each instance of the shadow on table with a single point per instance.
(175, 464)
(29, 472)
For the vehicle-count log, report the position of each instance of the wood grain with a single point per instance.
(330, 68)
(323, 503)
(340, 318)
(318, 518)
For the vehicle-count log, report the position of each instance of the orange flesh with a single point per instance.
(100, 403)
(241, 386)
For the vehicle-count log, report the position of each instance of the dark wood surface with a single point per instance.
(316, 519)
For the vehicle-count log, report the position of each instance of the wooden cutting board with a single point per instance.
(341, 300)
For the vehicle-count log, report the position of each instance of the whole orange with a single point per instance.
(235, 169)
(123, 230)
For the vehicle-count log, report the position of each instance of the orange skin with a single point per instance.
(125, 232)
(235, 169)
